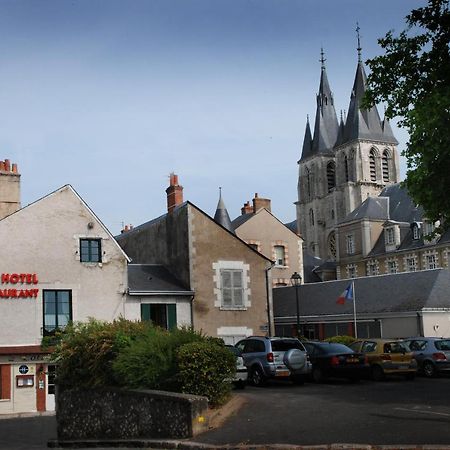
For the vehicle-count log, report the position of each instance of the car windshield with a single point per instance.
(283, 345)
(443, 345)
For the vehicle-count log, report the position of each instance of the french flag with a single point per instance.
(346, 295)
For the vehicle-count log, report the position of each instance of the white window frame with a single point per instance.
(352, 271)
(219, 268)
(390, 236)
(391, 266)
(279, 262)
(350, 240)
(410, 263)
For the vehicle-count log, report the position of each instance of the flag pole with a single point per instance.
(354, 309)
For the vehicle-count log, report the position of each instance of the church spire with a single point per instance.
(363, 123)
(221, 216)
(326, 124)
(307, 141)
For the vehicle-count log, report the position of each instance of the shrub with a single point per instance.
(206, 368)
(149, 362)
(346, 340)
(86, 351)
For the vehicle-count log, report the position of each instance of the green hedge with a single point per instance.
(138, 355)
(203, 369)
(346, 340)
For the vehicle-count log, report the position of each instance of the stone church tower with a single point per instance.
(341, 164)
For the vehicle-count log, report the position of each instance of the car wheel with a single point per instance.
(317, 375)
(428, 369)
(257, 377)
(378, 373)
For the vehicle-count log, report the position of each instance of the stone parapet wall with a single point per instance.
(128, 414)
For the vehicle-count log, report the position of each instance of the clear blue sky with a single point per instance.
(112, 96)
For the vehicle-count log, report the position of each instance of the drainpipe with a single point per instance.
(420, 323)
(268, 287)
(192, 311)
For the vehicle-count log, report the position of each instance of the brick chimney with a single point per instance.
(246, 209)
(259, 203)
(174, 193)
(9, 188)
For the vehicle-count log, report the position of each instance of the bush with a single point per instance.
(86, 351)
(346, 340)
(149, 362)
(205, 368)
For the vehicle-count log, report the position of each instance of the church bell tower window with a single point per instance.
(331, 176)
(385, 166)
(372, 166)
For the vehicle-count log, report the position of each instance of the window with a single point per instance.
(415, 230)
(232, 288)
(332, 245)
(428, 228)
(372, 166)
(352, 271)
(51, 379)
(431, 261)
(390, 236)
(311, 217)
(331, 176)
(350, 244)
(90, 250)
(346, 168)
(385, 166)
(392, 267)
(160, 314)
(411, 264)
(372, 268)
(308, 183)
(57, 310)
(280, 257)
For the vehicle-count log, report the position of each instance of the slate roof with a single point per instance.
(292, 226)
(394, 293)
(310, 264)
(402, 208)
(375, 208)
(154, 279)
(240, 220)
(221, 216)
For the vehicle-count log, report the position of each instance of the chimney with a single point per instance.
(126, 228)
(246, 209)
(174, 193)
(259, 203)
(9, 188)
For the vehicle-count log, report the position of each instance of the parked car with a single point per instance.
(387, 357)
(240, 378)
(335, 360)
(431, 353)
(274, 358)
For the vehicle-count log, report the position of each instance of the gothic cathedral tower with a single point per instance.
(341, 164)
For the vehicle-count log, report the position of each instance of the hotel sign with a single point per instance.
(18, 285)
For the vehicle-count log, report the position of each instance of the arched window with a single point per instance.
(311, 217)
(385, 166)
(346, 171)
(331, 176)
(372, 166)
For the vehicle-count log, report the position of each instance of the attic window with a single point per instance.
(90, 250)
(415, 230)
(390, 236)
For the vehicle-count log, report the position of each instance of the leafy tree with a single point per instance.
(413, 78)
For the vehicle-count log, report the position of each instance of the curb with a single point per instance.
(27, 415)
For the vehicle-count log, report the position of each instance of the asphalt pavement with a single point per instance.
(396, 412)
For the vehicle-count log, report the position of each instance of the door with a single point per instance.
(50, 383)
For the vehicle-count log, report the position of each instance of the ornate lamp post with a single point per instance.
(296, 281)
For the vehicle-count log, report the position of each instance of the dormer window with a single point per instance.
(390, 236)
(428, 228)
(415, 231)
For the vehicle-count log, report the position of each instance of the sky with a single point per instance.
(112, 96)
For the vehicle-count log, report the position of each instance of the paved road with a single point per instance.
(392, 412)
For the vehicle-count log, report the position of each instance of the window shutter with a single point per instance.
(238, 291)
(171, 316)
(145, 311)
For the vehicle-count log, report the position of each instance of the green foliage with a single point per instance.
(346, 340)
(413, 78)
(150, 361)
(204, 367)
(86, 351)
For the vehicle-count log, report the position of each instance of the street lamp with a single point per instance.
(296, 281)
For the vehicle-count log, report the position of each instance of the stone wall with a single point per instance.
(128, 414)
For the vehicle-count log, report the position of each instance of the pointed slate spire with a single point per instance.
(363, 123)
(326, 124)
(307, 141)
(340, 137)
(221, 216)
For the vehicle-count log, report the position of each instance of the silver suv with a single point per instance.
(274, 357)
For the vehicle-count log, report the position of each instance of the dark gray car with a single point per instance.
(431, 353)
(269, 358)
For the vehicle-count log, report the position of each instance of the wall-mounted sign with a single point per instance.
(21, 279)
(23, 369)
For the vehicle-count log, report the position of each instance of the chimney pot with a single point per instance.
(174, 193)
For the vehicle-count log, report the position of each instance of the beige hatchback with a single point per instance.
(387, 357)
